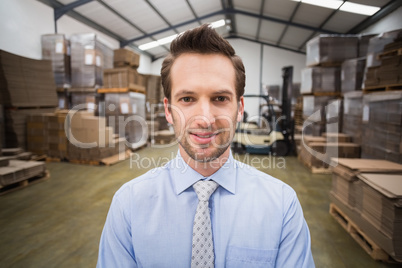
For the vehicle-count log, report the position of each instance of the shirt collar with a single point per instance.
(184, 176)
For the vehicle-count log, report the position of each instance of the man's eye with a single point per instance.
(221, 98)
(186, 99)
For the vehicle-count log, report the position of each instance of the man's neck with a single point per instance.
(206, 169)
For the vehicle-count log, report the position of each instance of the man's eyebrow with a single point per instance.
(223, 91)
(184, 92)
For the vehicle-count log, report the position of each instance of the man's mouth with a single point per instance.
(203, 137)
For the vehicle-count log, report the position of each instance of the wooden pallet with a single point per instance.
(394, 87)
(320, 94)
(390, 53)
(132, 88)
(25, 183)
(359, 236)
(108, 161)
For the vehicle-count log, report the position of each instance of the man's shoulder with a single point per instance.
(145, 181)
(252, 175)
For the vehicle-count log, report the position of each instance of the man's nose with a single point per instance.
(205, 114)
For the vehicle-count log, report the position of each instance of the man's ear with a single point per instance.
(240, 110)
(168, 111)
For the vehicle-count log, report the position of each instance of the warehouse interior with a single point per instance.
(323, 102)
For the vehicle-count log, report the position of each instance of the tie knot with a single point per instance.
(204, 189)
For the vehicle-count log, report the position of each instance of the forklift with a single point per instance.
(277, 136)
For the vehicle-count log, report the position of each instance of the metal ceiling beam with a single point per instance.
(126, 20)
(175, 26)
(287, 26)
(55, 4)
(321, 25)
(161, 16)
(193, 11)
(299, 25)
(386, 10)
(231, 11)
(229, 16)
(266, 44)
(260, 20)
(59, 12)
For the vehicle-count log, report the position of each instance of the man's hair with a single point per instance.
(202, 40)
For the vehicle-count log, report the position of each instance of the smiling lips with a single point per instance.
(203, 137)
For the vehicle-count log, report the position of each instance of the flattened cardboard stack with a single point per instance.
(89, 57)
(38, 133)
(26, 82)
(334, 116)
(373, 62)
(352, 74)
(382, 126)
(369, 192)
(390, 70)
(314, 114)
(154, 92)
(364, 41)
(331, 49)
(18, 170)
(57, 139)
(316, 152)
(16, 126)
(56, 48)
(125, 113)
(85, 100)
(320, 80)
(352, 115)
(90, 138)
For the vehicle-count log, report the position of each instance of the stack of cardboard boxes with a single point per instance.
(377, 46)
(124, 98)
(56, 48)
(316, 152)
(368, 195)
(89, 58)
(90, 139)
(15, 171)
(382, 126)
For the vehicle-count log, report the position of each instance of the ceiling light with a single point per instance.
(166, 40)
(169, 39)
(149, 45)
(343, 5)
(359, 9)
(332, 4)
(218, 24)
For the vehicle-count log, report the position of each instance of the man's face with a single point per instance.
(203, 108)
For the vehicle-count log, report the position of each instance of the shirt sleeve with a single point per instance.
(295, 245)
(115, 247)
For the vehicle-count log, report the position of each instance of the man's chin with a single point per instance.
(206, 155)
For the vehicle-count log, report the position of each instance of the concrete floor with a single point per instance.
(58, 222)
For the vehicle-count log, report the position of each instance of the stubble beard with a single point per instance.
(198, 156)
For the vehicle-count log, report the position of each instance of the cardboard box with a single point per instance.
(121, 78)
(320, 80)
(331, 49)
(124, 56)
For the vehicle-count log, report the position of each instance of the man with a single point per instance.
(204, 209)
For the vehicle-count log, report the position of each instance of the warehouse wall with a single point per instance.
(24, 21)
(391, 22)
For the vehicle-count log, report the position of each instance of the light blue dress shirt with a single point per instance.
(257, 220)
